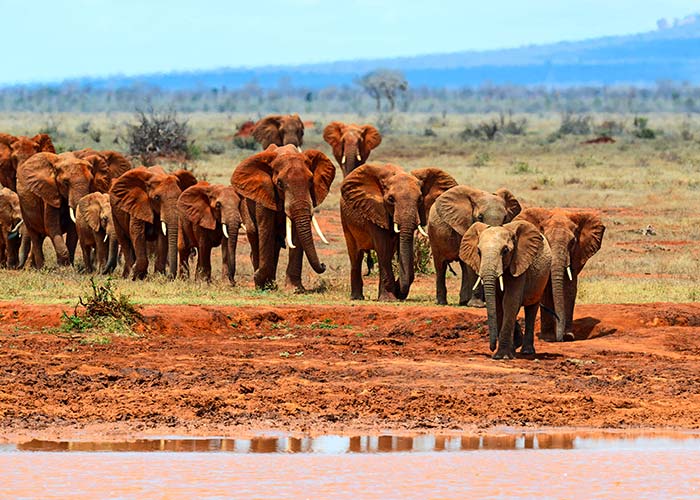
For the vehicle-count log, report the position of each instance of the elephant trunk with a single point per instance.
(232, 244)
(490, 294)
(172, 229)
(405, 259)
(559, 265)
(350, 153)
(113, 253)
(302, 222)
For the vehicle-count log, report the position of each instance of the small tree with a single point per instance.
(158, 135)
(384, 83)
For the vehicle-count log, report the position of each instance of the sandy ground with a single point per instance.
(199, 370)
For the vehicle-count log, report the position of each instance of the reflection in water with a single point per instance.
(386, 443)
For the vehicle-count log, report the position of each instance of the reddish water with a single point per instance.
(552, 465)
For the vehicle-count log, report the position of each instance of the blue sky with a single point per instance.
(52, 40)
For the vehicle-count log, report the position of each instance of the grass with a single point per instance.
(634, 182)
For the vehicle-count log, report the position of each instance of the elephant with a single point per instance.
(96, 234)
(280, 130)
(281, 187)
(16, 150)
(49, 188)
(10, 223)
(117, 163)
(514, 262)
(210, 215)
(574, 237)
(144, 208)
(452, 214)
(351, 144)
(381, 207)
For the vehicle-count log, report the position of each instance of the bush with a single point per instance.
(96, 134)
(157, 136)
(575, 124)
(422, 255)
(83, 127)
(245, 142)
(215, 148)
(641, 130)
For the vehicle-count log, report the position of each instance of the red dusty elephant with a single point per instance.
(10, 223)
(280, 130)
(381, 207)
(351, 143)
(144, 208)
(210, 215)
(117, 163)
(95, 227)
(574, 237)
(49, 188)
(16, 150)
(282, 186)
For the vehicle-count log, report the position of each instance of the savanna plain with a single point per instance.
(212, 359)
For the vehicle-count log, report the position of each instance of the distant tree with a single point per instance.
(384, 83)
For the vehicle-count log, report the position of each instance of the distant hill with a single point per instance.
(670, 53)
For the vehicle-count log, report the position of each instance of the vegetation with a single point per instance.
(159, 135)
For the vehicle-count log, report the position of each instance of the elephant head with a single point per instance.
(395, 201)
(461, 206)
(115, 164)
(284, 179)
(574, 237)
(56, 178)
(351, 144)
(492, 251)
(19, 150)
(280, 130)
(213, 206)
(150, 195)
(96, 211)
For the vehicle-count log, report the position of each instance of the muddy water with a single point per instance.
(611, 465)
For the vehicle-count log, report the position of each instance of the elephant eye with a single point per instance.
(480, 218)
(504, 252)
(280, 184)
(156, 197)
(390, 198)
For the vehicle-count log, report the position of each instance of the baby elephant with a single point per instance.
(95, 228)
(210, 215)
(514, 262)
(10, 224)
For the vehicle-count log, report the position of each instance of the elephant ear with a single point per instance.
(268, 130)
(333, 134)
(130, 194)
(194, 204)
(456, 207)
(92, 213)
(185, 178)
(469, 246)
(45, 143)
(117, 163)
(535, 215)
(252, 178)
(39, 176)
(324, 173)
(101, 176)
(528, 243)
(371, 138)
(363, 194)
(7, 139)
(434, 182)
(590, 239)
(513, 207)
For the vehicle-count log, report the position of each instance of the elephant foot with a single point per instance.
(475, 302)
(441, 302)
(357, 296)
(387, 297)
(504, 354)
(528, 350)
(517, 336)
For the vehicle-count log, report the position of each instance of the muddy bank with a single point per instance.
(198, 370)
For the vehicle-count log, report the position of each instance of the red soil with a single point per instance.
(225, 370)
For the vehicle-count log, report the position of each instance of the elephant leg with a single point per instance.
(294, 264)
(3, 252)
(161, 260)
(71, 243)
(440, 286)
(184, 253)
(87, 257)
(387, 282)
(37, 243)
(356, 284)
(548, 322)
(266, 273)
(204, 262)
(100, 254)
(59, 245)
(25, 248)
(137, 234)
(529, 339)
(511, 306)
(370, 263)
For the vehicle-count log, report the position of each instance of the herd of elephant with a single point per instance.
(510, 257)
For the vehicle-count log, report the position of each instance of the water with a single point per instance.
(570, 465)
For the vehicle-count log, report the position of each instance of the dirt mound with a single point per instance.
(204, 370)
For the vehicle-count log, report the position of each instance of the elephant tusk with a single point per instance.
(422, 231)
(245, 230)
(72, 214)
(105, 238)
(500, 282)
(478, 282)
(14, 229)
(568, 271)
(224, 229)
(343, 160)
(359, 158)
(314, 222)
(163, 228)
(396, 228)
(290, 243)
(299, 149)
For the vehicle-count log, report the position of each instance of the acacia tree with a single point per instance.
(384, 83)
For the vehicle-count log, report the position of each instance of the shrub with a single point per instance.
(158, 135)
(245, 142)
(481, 159)
(422, 255)
(83, 127)
(95, 134)
(641, 130)
(215, 148)
(575, 124)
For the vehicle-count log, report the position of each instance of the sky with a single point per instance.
(53, 40)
